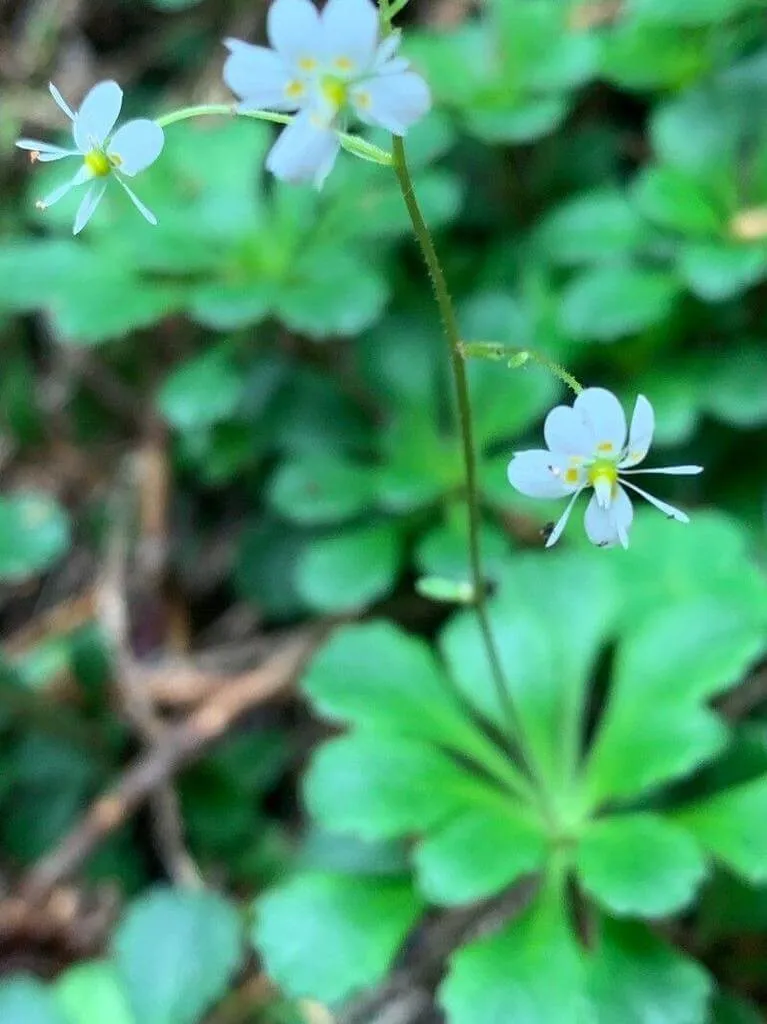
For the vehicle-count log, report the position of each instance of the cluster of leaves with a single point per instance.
(624, 808)
(172, 958)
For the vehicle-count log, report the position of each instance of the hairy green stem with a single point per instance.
(353, 144)
(517, 356)
(450, 325)
(220, 110)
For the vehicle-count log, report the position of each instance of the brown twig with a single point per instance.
(147, 475)
(180, 744)
(70, 615)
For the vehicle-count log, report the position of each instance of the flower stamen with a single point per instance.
(98, 163)
(334, 91)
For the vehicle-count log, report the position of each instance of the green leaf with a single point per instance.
(739, 396)
(596, 227)
(105, 301)
(377, 676)
(611, 302)
(91, 992)
(669, 664)
(524, 123)
(642, 56)
(688, 12)
(635, 978)
(708, 556)
(332, 292)
(52, 782)
(700, 129)
(175, 953)
(265, 568)
(550, 617)
(479, 853)
(33, 271)
(374, 673)
(673, 740)
(732, 825)
(421, 465)
(639, 864)
(444, 551)
(34, 533)
(722, 271)
(26, 1001)
(675, 398)
(674, 199)
(351, 570)
(380, 787)
(369, 205)
(321, 490)
(529, 972)
(202, 391)
(227, 305)
(690, 652)
(326, 936)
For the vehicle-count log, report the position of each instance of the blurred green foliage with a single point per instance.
(596, 174)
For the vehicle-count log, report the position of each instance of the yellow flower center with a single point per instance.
(334, 91)
(98, 163)
(603, 470)
(603, 477)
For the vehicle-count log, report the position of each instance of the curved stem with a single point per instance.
(450, 324)
(516, 357)
(219, 110)
(353, 144)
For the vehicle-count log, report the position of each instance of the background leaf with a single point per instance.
(358, 927)
(175, 953)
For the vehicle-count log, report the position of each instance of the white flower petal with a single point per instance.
(60, 102)
(261, 77)
(349, 35)
(145, 212)
(137, 144)
(304, 151)
(665, 470)
(97, 116)
(394, 102)
(556, 533)
(386, 50)
(293, 28)
(45, 151)
(392, 67)
(83, 175)
(603, 414)
(539, 474)
(662, 506)
(566, 433)
(640, 434)
(607, 527)
(87, 207)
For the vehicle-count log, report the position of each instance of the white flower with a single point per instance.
(587, 448)
(328, 67)
(129, 150)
